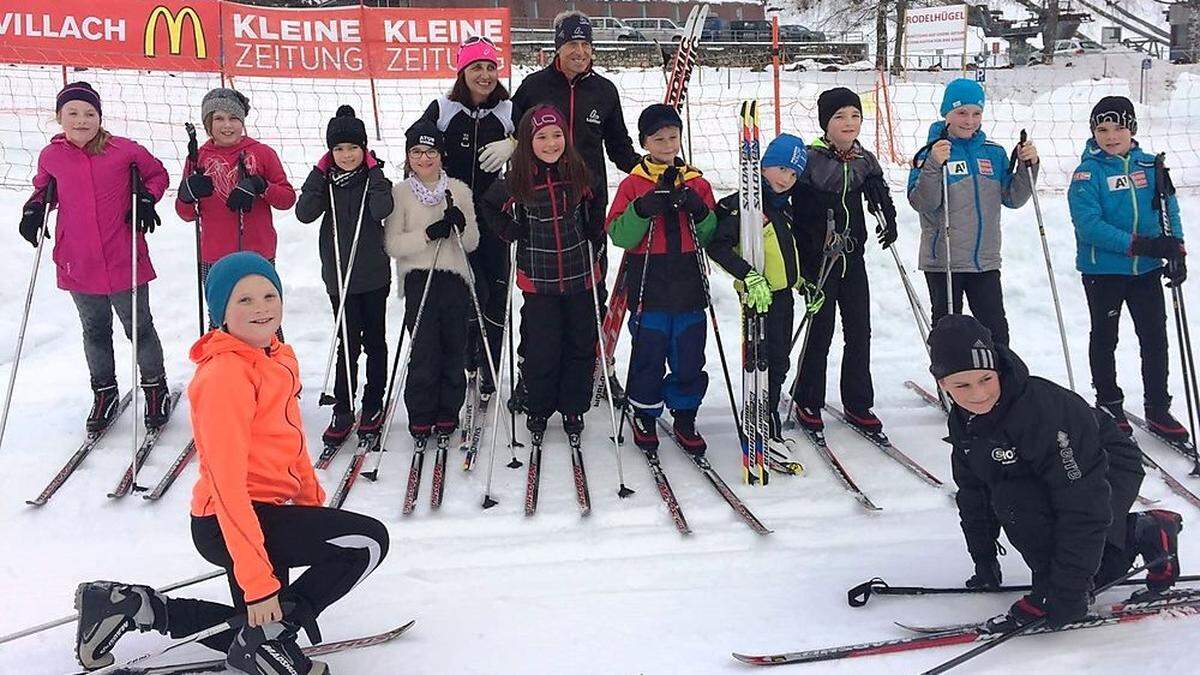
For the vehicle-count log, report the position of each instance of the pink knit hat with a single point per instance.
(546, 115)
(476, 48)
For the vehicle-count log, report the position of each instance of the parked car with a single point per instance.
(611, 29)
(750, 31)
(715, 29)
(656, 29)
(1068, 47)
(798, 33)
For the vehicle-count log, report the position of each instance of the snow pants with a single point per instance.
(340, 549)
(1147, 307)
(366, 328)
(674, 339)
(984, 293)
(779, 340)
(558, 333)
(437, 384)
(847, 292)
(95, 314)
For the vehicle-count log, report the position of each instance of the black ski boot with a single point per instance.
(371, 420)
(685, 431)
(1116, 410)
(536, 422)
(339, 429)
(420, 432)
(645, 432)
(1155, 534)
(104, 407)
(158, 403)
(520, 397)
(618, 392)
(107, 610)
(271, 650)
(1163, 423)
(445, 427)
(572, 424)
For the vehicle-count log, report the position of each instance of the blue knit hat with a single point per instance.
(227, 272)
(962, 92)
(787, 150)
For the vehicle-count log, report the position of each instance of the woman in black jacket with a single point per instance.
(476, 121)
(353, 178)
(1054, 472)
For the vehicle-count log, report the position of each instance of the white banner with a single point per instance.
(928, 29)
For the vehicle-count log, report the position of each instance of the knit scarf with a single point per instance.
(427, 195)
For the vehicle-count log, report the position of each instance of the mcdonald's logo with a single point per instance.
(175, 31)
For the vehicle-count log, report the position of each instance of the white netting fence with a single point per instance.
(290, 114)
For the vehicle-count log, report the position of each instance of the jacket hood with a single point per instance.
(935, 131)
(217, 341)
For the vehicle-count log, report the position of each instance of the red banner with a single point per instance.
(243, 40)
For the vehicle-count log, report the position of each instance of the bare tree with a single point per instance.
(881, 36)
(1050, 32)
(898, 48)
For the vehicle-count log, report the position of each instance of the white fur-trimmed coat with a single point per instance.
(404, 232)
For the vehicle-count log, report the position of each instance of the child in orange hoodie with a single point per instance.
(256, 509)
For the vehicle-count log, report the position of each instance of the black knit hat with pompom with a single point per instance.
(346, 128)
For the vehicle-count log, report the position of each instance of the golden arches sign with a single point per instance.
(175, 31)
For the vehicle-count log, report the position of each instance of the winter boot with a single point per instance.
(445, 427)
(809, 418)
(645, 432)
(107, 610)
(271, 650)
(572, 424)
(339, 429)
(866, 421)
(158, 403)
(420, 432)
(1164, 424)
(536, 422)
(1117, 412)
(519, 398)
(371, 421)
(1155, 534)
(685, 432)
(104, 407)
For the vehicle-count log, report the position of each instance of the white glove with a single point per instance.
(496, 154)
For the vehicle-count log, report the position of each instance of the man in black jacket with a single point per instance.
(1057, 474)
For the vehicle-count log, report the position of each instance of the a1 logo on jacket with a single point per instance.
(958, 167)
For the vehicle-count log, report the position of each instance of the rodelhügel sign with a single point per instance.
(929, 29)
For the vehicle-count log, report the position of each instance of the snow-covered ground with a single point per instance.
(619, 592)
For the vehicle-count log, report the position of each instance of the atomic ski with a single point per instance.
(367, 443)
(126, 483)
(718, 483)
(534, 474)
(437, 482)
(330, 450)
(217, 665)
(73, 462)
(581, 486)
(881, 441)
(665, 491)
(817, 439)
(173, 472)
(414, 474)
(1185, 448)
(963, 636)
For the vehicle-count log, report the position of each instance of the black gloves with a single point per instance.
(689, 200)
(195, 187)
(655, 203)
(886, 233)
(987, 575)
(241, 197)
(439, 229)
(146, 218)
(32, 218)
(879, 202)
(1175, 272)
(452, 218)
(1168, 248)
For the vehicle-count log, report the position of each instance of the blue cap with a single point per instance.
(962, 92)
(227, 272)
(787, 150)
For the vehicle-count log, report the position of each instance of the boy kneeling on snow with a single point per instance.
(1056, 473)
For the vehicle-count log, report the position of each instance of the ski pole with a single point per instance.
(1037, 209)
(860, 594)
(25, 632)
(48, 197)
(506, 333)
(1163, 191)
(339, 322)
(622, 491)
(194, 158)
(1036, 623)
(135, 186)
(946, 223)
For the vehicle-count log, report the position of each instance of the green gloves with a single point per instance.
(758, 292)
(814, 297)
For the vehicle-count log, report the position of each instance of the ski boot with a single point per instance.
(271, 650)
(684, 424)
(1028, 608)
(158, 403)
(618, 392)
(339, 429)
(572, 424)
(1155, 534)
(1163, 423)
(445, 427)
(420, 432)
(536, 422)
(371, 421)
(104, 407)
(107, 610)
(1117, 412)
(865, 421)
(809, 419)
(645, 433)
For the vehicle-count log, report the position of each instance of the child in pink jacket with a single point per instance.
(236, 175)
(96, 219)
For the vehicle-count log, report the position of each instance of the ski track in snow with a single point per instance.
(619, 592)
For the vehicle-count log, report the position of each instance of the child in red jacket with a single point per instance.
(256, 508)
(234, 184)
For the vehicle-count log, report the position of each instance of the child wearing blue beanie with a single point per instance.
(980, 179)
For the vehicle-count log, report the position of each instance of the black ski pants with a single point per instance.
(365, 315)
(779, 340)
(847, 292)
(1147, 307)
(340, 549)
(437, 384)
(558, 334)
(984, 293)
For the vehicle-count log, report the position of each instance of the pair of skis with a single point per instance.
(533, 476)
(755, 416)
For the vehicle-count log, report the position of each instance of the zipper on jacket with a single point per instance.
(846, 209)
(474, 151)
(557, 232)
(1133, 199)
